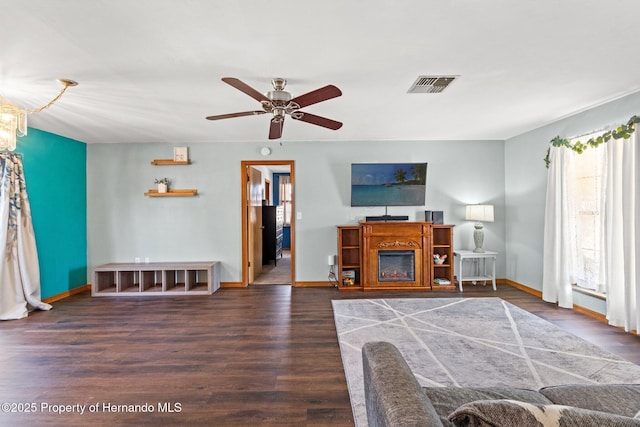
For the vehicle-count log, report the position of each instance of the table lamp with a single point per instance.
(480, 214)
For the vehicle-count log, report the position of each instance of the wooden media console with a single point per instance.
(395, 256)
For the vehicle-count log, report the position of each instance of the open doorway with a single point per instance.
(260, 203)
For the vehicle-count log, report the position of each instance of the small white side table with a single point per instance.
(478, 276)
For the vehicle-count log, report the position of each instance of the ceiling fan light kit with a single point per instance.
(279, 103)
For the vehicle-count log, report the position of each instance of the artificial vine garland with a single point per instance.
(621, 132)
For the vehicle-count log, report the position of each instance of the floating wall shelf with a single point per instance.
(164, 162)
(172, 193)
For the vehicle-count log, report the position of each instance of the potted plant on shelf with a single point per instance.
(163, 185)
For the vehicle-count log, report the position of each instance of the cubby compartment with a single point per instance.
(104, 281)
(128, 281)
(151, 280)
(197, 280)
(351, 257)
(350, 237)
(171, 281)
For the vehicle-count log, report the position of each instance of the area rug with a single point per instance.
(470, 342)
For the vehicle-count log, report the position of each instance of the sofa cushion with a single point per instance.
(621, 399)
(445, 400)
(509, 413)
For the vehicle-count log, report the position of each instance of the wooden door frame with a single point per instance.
(244, 164)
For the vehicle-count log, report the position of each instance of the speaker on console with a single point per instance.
(436, 217)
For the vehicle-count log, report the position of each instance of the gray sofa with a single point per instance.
(394, 398)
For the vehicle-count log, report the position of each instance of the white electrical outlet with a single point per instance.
(299, 215)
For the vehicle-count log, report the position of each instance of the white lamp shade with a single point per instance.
(480, 213)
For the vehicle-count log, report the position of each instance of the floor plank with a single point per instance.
(263, 356)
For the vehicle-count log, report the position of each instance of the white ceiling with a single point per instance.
(150, 70)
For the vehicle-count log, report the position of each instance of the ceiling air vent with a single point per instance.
(431, 84)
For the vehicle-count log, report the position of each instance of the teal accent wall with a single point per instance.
(56, 175)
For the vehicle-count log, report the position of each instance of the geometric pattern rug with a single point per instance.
(470, 342)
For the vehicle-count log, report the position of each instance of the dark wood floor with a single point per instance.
(262, 356)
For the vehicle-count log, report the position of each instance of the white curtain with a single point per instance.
(620, 229)
(622, 245)
(19, 270)
(559, 266)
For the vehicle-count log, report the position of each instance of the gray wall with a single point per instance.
(525, 188)
(123, 224)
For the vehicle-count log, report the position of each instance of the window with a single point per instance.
(588, 188)
(284, 197)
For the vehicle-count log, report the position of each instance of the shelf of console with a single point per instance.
(160, 278)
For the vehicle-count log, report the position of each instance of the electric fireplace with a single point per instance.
(396, 266)
(396, 255)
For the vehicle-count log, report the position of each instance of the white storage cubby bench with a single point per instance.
(159, 278)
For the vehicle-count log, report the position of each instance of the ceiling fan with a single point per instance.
(279, 103)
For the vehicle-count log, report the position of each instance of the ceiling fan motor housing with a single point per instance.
(279, 96)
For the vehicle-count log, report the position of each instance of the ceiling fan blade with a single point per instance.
(229, 116)
(275, 130)
(243, 87)
(316, 120)
(318, 95)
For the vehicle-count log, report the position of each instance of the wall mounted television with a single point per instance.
(388, 184)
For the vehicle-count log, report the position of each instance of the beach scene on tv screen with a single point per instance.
(388, 184)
